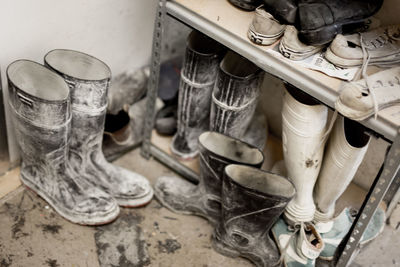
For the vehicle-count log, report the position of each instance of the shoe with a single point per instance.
(341, 226)
(248, 5)
(285, 11)
(344, 153)
(166, 120)
(252, 201)
(117, 128)
(264, 29)
(199, 72)
(381, 45)
(321, 20)
(40, 106)
(234, 98)
(204, 199)
(364, 98)
(304, 123)
(88, 79)
(291, 47)
(300, 246)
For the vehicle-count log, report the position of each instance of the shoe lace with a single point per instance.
(296, 228)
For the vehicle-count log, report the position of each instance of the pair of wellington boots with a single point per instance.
(319, 179)
(58, 114)
(215, 95)
(234, 195)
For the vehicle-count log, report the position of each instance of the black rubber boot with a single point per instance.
(40, 106)
(321, 20)
(88, 79)
(204, 199)
(234, 98)
(198, 76)
(252, 201)
(284, 11)
(248, 5)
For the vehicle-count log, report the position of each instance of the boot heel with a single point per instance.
(219, 246)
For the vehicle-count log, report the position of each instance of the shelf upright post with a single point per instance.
(153, 79)
(381, 184)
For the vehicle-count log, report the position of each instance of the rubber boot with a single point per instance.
(198, 76)
(252, 201)
(248, 5)
(344, 153)
(40, 106)
(88, 79)
(204, 199)
(303, 129)
(234, 98)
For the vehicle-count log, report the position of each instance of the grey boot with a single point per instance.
(204, 199)
(252, 201)
(198, 75)
(234, 98)
(88, 79)
(40, 106)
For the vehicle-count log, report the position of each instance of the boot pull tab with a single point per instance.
(25, 100)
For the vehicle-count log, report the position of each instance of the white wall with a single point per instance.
(119, 32)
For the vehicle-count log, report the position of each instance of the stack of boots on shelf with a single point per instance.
(252, 201)
(344, 153)
(198, 75)
(234, 98)
(40, 106)
(88, 79)
(204, 199)
(303, 129)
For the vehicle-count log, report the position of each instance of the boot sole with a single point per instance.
(325, 34)
(106, 218)
(136, 203)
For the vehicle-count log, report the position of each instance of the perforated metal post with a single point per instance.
(386, 175)
(154, 77)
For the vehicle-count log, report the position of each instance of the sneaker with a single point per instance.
(321, 20)
(340, 228)
(299, 247)
(382, 45)
(291, 47)
(264, 29)
(364, 98)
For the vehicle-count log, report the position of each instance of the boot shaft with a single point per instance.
(217, 151)
(253, 199)
(234, 97)
(39, 100)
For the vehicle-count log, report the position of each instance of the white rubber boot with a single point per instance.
(303, 127)
(344, 153)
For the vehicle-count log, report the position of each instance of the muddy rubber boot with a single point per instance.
(248, 5)
(204, 199)
(234, 98)
(252, 201)
(88, 79)
(199, 71)
(303, 128)
(40, 106)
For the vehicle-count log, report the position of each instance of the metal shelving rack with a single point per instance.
(213, 23)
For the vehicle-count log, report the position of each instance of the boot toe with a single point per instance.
(175, 193)
(96, 210)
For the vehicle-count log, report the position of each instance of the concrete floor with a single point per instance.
(32, 234)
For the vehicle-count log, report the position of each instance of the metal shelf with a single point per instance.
(228, 25)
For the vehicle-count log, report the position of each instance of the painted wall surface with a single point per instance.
(119, 32)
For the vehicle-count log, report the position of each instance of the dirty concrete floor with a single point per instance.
(32, 234)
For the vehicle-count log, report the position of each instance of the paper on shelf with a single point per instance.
(319, 63)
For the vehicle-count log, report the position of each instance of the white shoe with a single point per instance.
(303, 129)
(264, 29)
(291, 47)
(382, 45)
(359, 101)
(344, 153)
